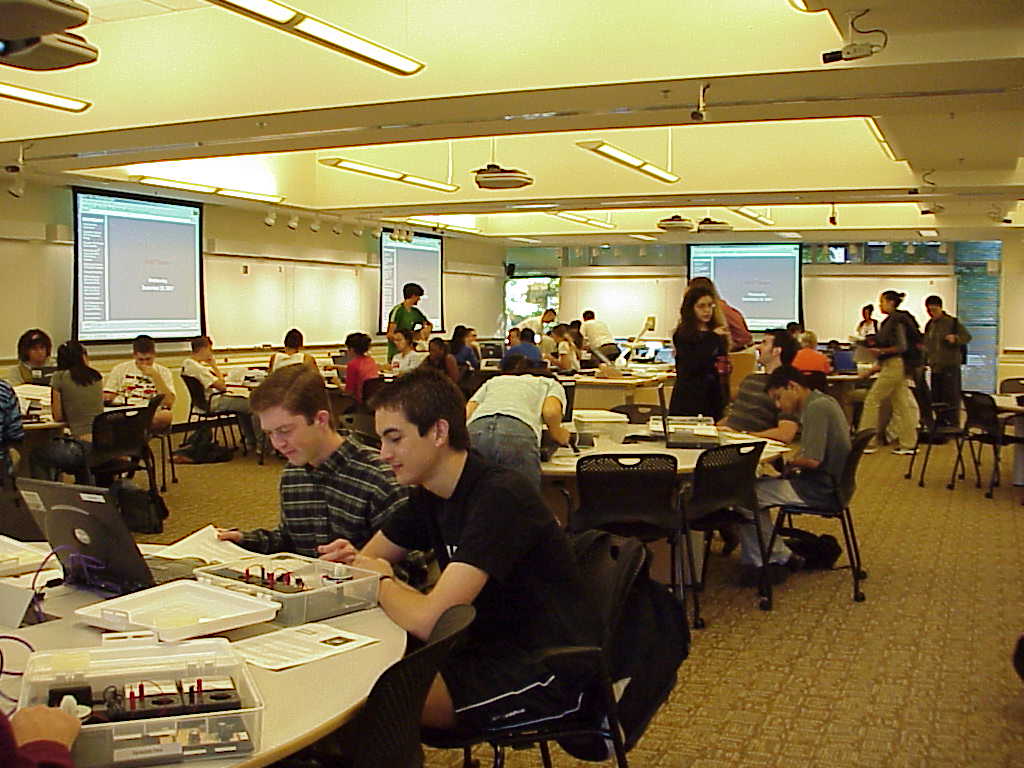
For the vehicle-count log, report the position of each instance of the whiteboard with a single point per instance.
(254, 302)
(832, 303)
(624, 302)
(476, 301)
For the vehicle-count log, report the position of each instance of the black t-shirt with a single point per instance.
(497, 522)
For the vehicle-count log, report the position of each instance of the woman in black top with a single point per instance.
(700, 339)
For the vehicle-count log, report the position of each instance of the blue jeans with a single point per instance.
(508, 442)
(63, 454)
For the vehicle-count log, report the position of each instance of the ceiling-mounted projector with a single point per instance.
(708, 224)
(676, 223)
(495, 177)
(56, 51)
(24, 19)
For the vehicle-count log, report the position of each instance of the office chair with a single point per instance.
(199, 414)
(120, 441)
(984, 425)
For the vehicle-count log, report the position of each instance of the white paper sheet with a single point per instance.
(25, 580)
(205, 545)
(298, 645)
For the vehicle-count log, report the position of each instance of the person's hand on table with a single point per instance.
(721, 330)
(229, 534)
(337, 551)
(381, 566)
(41, 723)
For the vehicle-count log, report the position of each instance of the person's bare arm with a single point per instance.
(415, 612)
(784, 433)
(160, 384)
(55, 405)
(551, 413)
(471, 406)
(381, 547)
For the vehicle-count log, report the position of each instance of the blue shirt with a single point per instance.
(467, 356)
(11, 430)
(527, 350)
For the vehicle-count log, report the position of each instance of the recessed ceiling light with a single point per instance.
(260, 196)
(750, 213)
(581, 219)
(643, 237)
(928, 232)
(42, 98)
(344, 164)
(791, 235)
(281, 14)
(527, 240)
(188, 186)
(623, 157)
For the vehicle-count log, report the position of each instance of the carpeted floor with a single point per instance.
(918, 675)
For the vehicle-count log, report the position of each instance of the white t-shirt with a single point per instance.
(521, 397)
(568, 348)
(197, 370)
(596, 333)
(535, 324)
(403, 362)
(126, 380)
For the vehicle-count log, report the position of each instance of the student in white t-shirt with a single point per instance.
(567, 355)
(292, 354)
(407, 358)
(597, 337)
(507, 414)
(137, 381)
(202, 366)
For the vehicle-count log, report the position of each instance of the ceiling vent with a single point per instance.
(676, 223)
(495, 177)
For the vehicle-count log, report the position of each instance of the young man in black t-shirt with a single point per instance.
(499, 548)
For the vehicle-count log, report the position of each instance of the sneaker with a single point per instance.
(904, 451)
(870, 449)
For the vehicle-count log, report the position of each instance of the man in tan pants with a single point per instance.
(891, 384)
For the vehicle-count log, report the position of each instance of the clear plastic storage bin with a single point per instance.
(151, 703)
(307, 589)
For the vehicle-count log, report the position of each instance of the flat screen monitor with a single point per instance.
(138, 267)
(761, 280)
(419, 262)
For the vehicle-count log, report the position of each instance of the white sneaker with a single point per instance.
(904, 451)
(870, 449)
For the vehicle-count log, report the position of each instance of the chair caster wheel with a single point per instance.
(949, 486)
(906, 476)
(920, 483)
(765, 605)
(698, 623)
(859, 597)
(988, 495)
(862, 575)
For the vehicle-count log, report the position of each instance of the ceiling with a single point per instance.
(191, 92)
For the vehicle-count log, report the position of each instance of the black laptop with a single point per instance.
(84, 527)
(680, 437)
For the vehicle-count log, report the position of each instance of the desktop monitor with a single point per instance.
(491, 350)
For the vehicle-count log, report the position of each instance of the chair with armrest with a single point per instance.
(120, 441)
(984, 425)
(723, 484)
(938, 431)
(609, 566)
(638, 413)
(839, 509)
(631, 495)
(1012, 386)
(199, 414)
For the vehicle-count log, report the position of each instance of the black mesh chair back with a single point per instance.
(619, 492)
(1011, 386)
(982, 414)
(197, 393)
(387, 729)
(125, 431)
(724, 478)
(639, 413)
(848, 482)
(609, 565)
(370, 387)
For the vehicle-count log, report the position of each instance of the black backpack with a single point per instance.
(143, 511)
(819, 552)
(914, 356)
(202, 448)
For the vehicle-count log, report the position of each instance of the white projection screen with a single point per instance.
(138, 267)
(760, 280)
(417, 262)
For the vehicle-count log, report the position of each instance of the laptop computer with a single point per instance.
(84, 527)
(681, 437)
(17, 521)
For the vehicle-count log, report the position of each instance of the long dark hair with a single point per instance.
(71, 358)
(688, 327)
(458, 339)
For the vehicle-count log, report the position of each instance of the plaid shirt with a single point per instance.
(348, 496)
(11, 430)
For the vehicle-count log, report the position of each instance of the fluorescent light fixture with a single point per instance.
(928, 232)
(581, 219)
(534, 206)
(643, 237)
(790, 235)
(260, 196)
(423, 221)
(386, 173)
(287, 19)
(753, 215)
(42, 98)
(877, 133)
(188, 186)
(623, 157)
(276, 12)
(527, 240)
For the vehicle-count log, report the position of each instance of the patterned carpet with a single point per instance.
(919, 675)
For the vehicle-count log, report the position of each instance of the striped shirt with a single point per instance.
(11, 430)
(753, 409)
(348, 496)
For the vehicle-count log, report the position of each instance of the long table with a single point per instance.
(1008, 404)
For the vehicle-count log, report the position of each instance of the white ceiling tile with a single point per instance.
(120, 10)
(182, 5)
